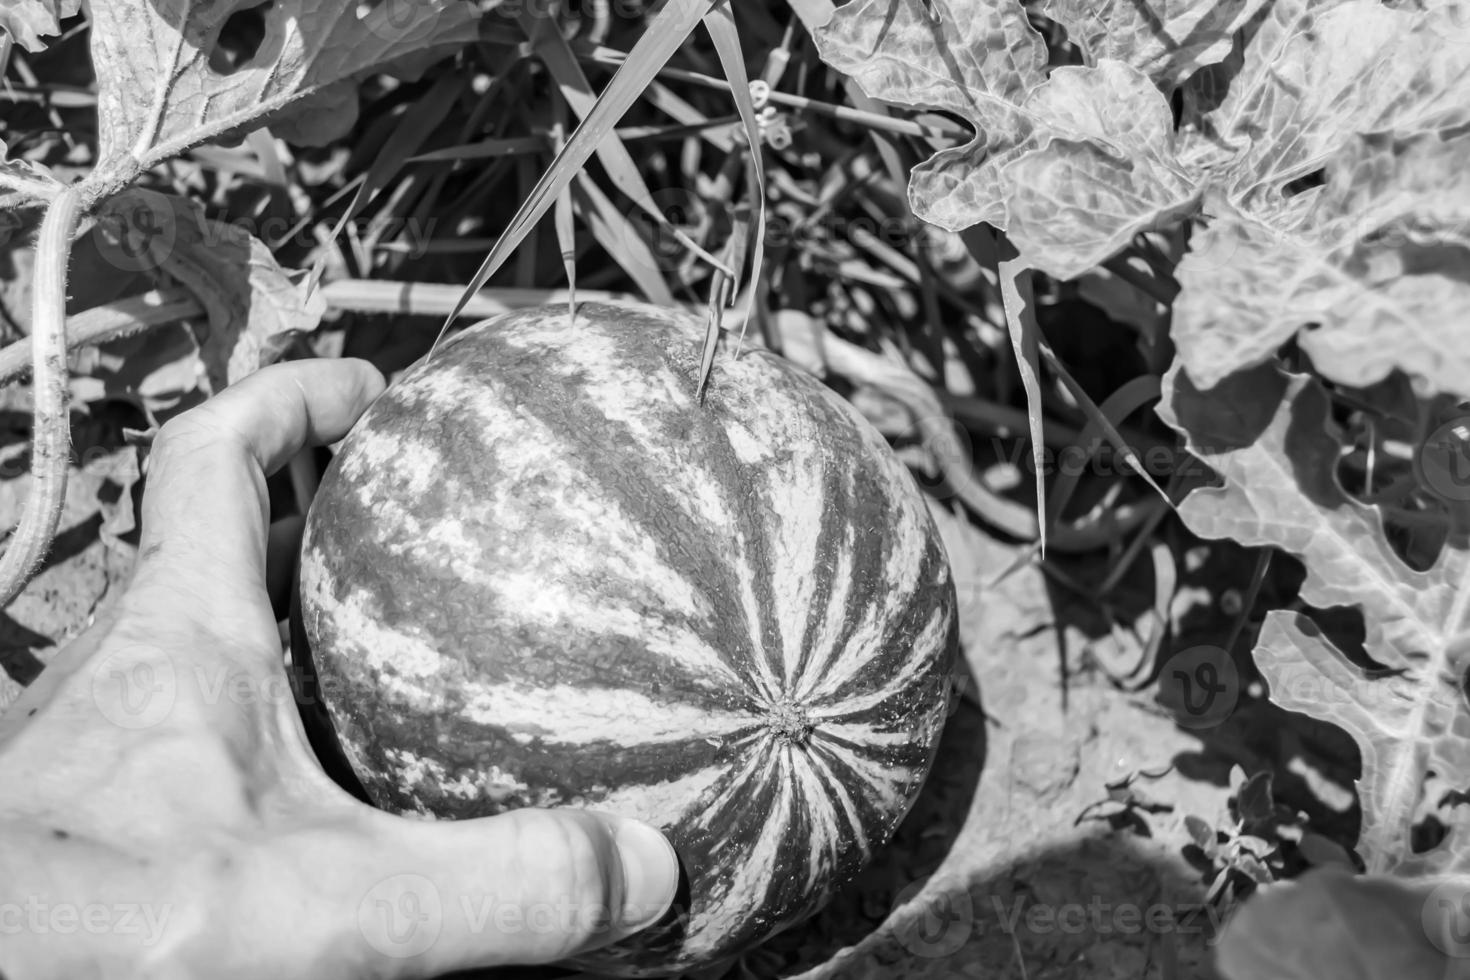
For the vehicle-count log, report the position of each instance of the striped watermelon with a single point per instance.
(540, 573)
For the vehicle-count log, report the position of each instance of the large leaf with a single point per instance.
(30, 20)
(1070, 166)
(1166, 40)
(981, 66)
(163, 86)
(1371, 99)
(1270, 436)
(1382, 249)
(1317, 74)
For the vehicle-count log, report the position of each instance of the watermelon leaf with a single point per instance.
(1326, 148)
(1166, 40)
(1270, 436)
(1381, 249)
(30, 20)
(163, 88)
(1070, 166)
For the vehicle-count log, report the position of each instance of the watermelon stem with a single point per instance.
(790, 723)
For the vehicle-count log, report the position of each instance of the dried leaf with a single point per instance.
(30, 20)
(163, 87)
(1270, 436)
(252, 304)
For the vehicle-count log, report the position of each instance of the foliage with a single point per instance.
(1319, 156)
(1270, 194)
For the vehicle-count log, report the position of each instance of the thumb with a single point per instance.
(530, 886)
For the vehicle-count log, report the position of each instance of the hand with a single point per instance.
(161, 814)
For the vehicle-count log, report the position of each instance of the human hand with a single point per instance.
(161, 813)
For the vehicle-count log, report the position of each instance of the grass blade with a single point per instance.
(720, 23)
(563, 218)
(1020, 306)
(616, 234)
(665, 33)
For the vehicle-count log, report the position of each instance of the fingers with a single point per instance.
(205, 505)
(530, 886)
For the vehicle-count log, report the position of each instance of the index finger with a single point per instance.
(205, 508)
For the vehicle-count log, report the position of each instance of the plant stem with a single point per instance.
(120, 318)
(51, 438)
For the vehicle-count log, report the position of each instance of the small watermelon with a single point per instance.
(542, 572)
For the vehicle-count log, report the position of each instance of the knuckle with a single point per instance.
(576, 860)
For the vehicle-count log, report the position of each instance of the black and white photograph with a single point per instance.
(735, 489)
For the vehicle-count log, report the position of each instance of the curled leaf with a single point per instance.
(253, 305)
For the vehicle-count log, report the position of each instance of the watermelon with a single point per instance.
(542, 571)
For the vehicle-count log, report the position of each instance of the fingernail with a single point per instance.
(650, 873)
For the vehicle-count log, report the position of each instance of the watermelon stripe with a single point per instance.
(576, 716)
(695, 542)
